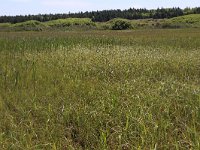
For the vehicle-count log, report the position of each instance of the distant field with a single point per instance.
(100, 90)
(187, 21)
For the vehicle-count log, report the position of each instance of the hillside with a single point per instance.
(30, 25)
(70, 22)
(187, 21)
(106, 15)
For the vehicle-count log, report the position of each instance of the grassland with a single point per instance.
(100, 90)
(187, 21)
(193, 20)
(70, 22)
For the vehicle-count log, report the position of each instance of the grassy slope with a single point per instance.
(5, 24)
(187, 19)
(176, 22)
(78, 23)
(100, 90)
(60, 23)
(70, 22)
(30, 25)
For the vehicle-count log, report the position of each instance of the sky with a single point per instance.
(25, 7)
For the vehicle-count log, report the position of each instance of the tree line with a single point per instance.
(106, 15)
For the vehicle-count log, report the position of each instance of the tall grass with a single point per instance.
(100, 90)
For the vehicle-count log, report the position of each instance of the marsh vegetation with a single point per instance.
(100, 90)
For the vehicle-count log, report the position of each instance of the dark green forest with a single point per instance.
(106, 15)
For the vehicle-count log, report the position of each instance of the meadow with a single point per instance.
(85, 24)
(101, 90)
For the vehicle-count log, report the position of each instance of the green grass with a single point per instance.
(82, 24)
(65, 24)
(100, 90)
(30, 26)
(193, 19)
(60, 23)
(5, 25)
(187, 21)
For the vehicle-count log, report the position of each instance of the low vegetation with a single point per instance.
(100, 90)
(187, 21)
(120, 24)
(29, 26)
(5, 25)
(106, 15)
(60, 23)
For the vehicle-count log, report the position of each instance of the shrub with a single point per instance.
(121, 24)
(31, 25)
(70, 22)
(170, 25)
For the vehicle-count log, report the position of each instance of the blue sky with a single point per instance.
(22, 7)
